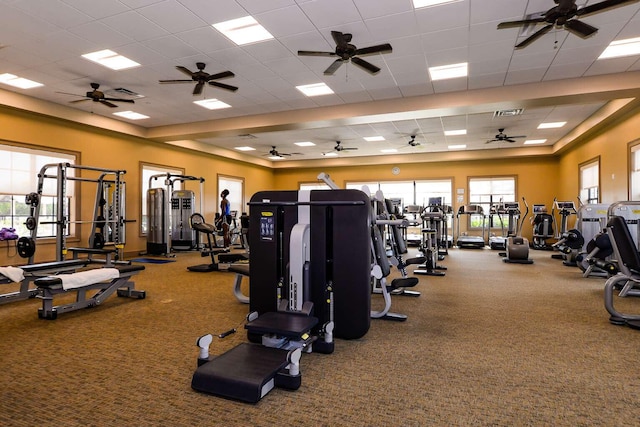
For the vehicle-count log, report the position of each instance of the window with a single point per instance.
(590, 181)
(634, 171)
(236, 192)
(307, 186)
(19, 177)
(485, 191)
(147, 171)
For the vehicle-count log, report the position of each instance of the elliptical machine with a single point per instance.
(517, 247)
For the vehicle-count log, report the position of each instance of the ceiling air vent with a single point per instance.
(508, 113)
(122, 91)
(247, 136)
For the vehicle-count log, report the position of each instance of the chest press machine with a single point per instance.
(310, 282)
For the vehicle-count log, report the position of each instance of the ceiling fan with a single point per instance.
(98, 96)
(412, 142)
(563, 15)
(273, 153)
(338, 148)
(502, 137)
(345, 51)
(201, 77)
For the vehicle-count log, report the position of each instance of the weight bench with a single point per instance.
(26, 274)
(105, 280)
(91, 252)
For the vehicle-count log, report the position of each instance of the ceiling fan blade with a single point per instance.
(224, 86)
(107, 103)
(535, 36)
(184, 70)
(513, 24)
(381, 48)
(579, 28)
(510, 140)
(175, 81)
(222, 75)
(606, 4)
(130, 101)
(197, 90)
(339, 38)
(348, 148)
(315, 53)
(72, 94)
(366, 65)
(517, 136)
(78, 100)
(333, 67)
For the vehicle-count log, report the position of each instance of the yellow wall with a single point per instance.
(112, 151)
(539, 179)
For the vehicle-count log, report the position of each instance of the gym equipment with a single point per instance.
(306, 287)
(543, 226)
(468, 241)
(26, 274)
(168, 212)
(630, 211)
(105, 281)
(591, 221)
(107, 225)
(198, 224)
(627, 280)
(415, 211)
(433, 233)
(567, 240)
(241, 271)
(517, 247)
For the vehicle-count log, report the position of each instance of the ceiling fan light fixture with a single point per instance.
(551, 125)
(243, 30)
(19, 82)
(315, 89)
(212, 104)
(111, 59)
(619, 48)
(131, 115)
(450, 71)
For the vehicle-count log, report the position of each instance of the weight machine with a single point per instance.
(108, 222)
(169, 212)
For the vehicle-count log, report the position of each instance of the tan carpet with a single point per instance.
(488, 344)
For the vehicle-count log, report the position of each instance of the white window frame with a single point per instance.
(498, 191)
(19, 176)
(235, 185)
(589, 179)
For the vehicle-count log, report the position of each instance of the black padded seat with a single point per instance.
(55, 282)
(284, 324)
(245, 372)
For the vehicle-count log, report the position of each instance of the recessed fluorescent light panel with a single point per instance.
(276, 157)
(389, 150)
(19, 82)
(551, 125)
(243, 31)
(374, 138)
(457, 147)
(212, 104)
(132, 115)
(618, 48)
(534, 141)
(451, 71)
(245, 148)
(455, 132)
(417, 4)
(330, 154)
(110, 59)
(304, 144)
(315, 89)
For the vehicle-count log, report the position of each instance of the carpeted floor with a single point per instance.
(488, 344)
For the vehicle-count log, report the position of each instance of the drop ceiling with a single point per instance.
(558, 78)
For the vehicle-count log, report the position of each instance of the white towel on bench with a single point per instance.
(14, 273)
(88, 277)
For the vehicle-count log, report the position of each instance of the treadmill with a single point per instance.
(471, 241)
